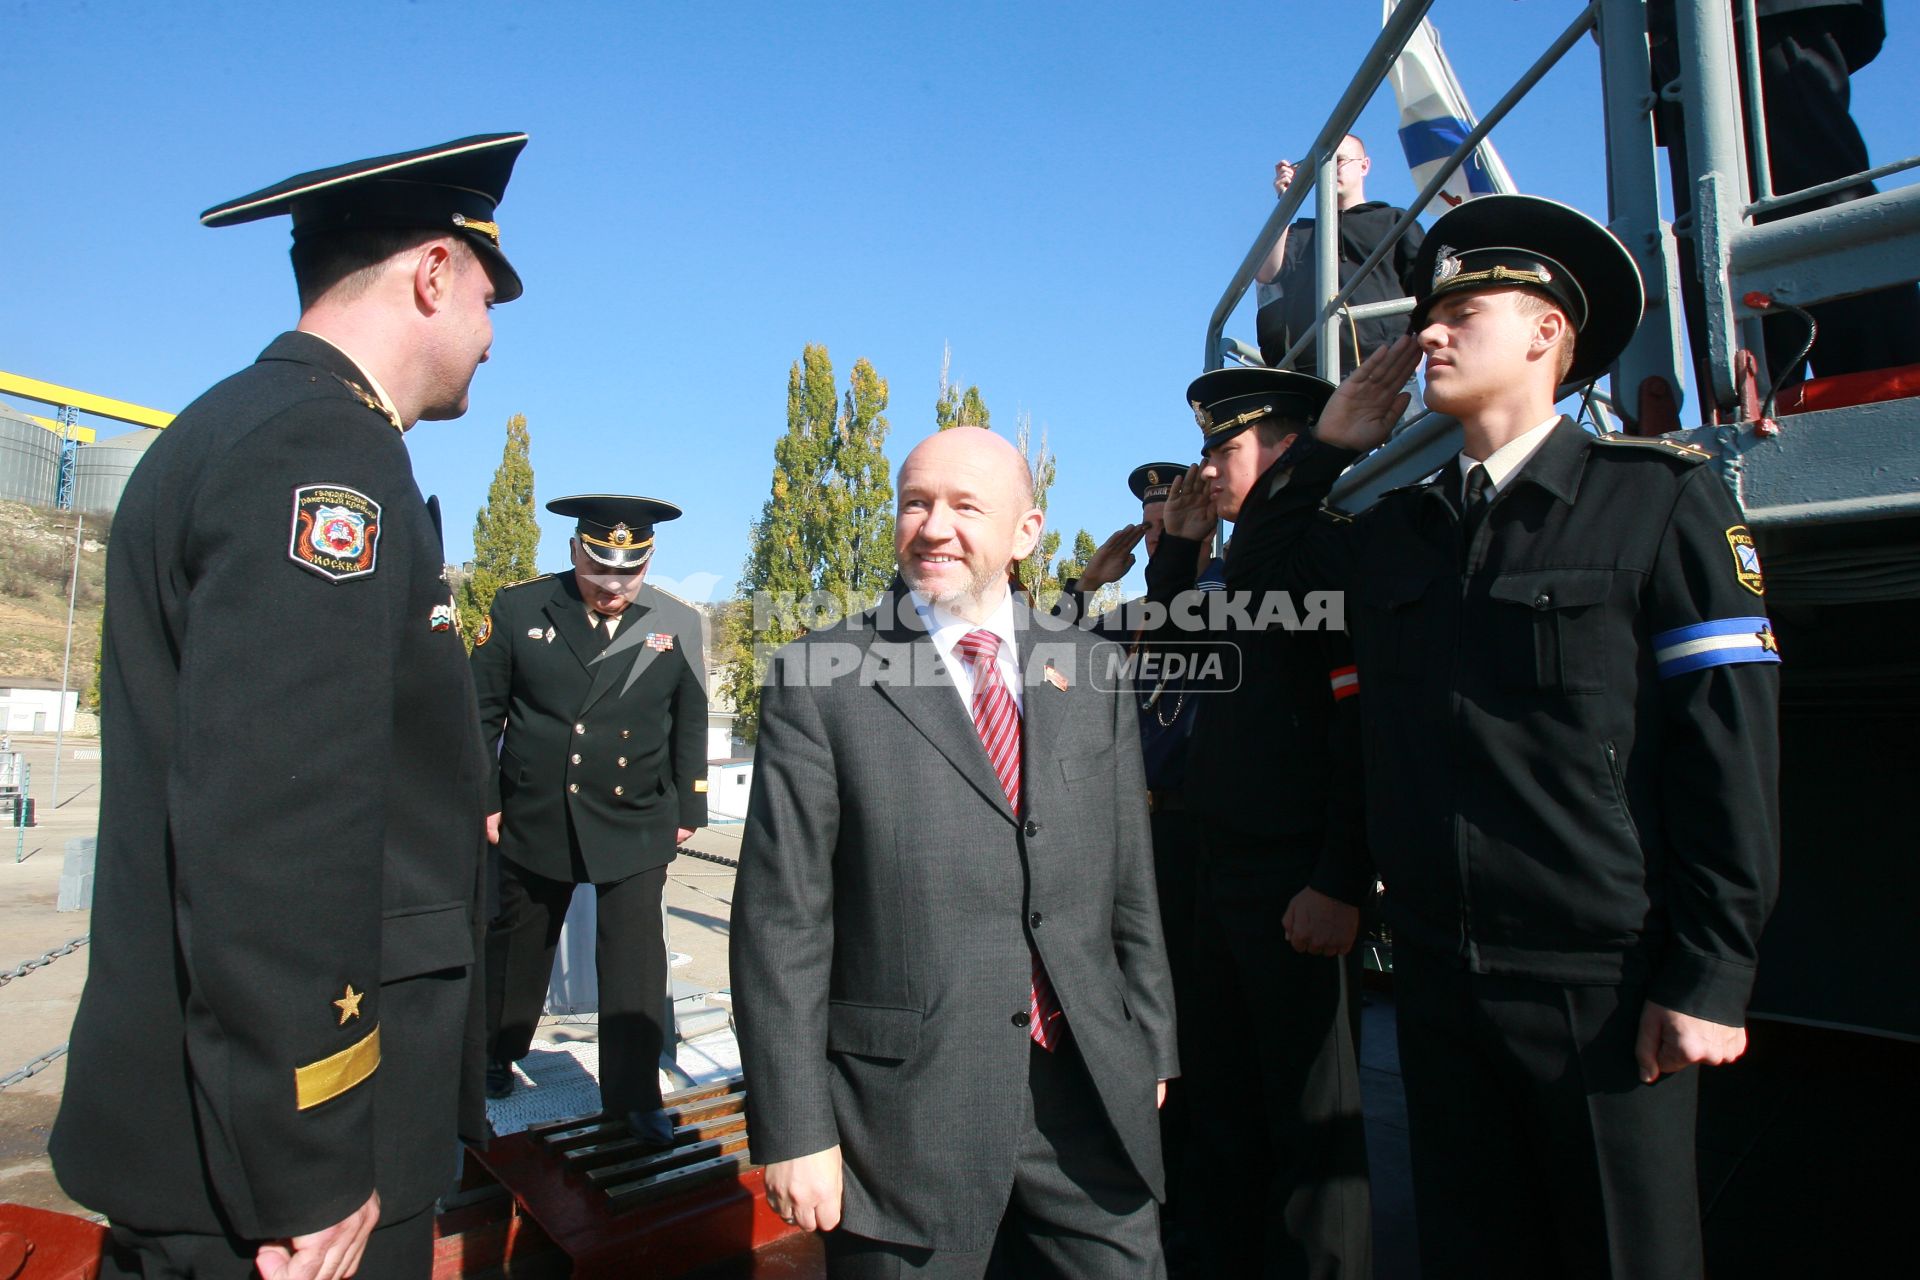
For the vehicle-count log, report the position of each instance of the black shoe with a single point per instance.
(499, 1079)
(653, 1128)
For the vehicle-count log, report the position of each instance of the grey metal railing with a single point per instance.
(1366, 82)
(1744, 269)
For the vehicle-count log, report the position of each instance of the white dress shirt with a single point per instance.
(1509, 457)
(946, 628)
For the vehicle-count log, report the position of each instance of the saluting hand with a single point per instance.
(1672, 1041)
(1114, 557)
(329, 1254)
(1361, 414)
(1189, 512)
(805, 1190)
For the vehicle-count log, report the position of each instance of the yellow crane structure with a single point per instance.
(72, 400)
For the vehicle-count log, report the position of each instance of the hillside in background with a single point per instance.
(36, 559)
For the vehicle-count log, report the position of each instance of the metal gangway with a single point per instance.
(1831, 493)
(1857, 462)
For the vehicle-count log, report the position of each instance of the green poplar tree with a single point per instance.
(957, 408)
(857, 561)
(506, 537)
(787, 543)
(1037, 571)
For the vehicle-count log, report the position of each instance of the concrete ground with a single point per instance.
(36, 1009)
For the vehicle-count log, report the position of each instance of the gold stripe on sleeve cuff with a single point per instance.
(699, 785)
(322, 1081)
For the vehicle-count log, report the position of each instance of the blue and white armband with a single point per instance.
(1721, 642)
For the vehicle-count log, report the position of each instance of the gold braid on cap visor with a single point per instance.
(1539, 279)
(491, 230)
(1212, 428)
(621, 541)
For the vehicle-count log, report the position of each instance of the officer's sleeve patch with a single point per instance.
(1345, 682)
(485, 633)
(336, 531)
(1746, 559)
(699, 785)
(1719, 643)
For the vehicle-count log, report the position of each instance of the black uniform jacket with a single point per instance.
(1278, 753)
(279, 1016)
(606, 739)
(1571, 736)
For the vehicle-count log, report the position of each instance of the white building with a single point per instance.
(30, 704)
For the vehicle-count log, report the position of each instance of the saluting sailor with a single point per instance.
(268, 1056)
(592, 685)
(1572, 751)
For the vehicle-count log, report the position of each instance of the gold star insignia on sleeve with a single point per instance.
(349, 1004)
(1767, 641)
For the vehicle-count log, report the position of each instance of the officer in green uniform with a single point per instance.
(269, 1056)
(592, 686)
(1570, 726)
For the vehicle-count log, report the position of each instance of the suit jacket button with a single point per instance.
(619, 791)
(1020, 1019)
(1034, 920)
(572, 787)
(1032, 828)
(575, 757)
(622, 761)
(580, 728)
(626, 733)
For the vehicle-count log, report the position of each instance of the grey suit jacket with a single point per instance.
(887, 902)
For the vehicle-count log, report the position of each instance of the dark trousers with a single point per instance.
(630, 954)
(1176, 855)
(1077, 1209)
(1280, 1154)
(1536, 1150)
(400, 1250)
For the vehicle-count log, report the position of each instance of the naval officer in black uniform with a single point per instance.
(1570, 725)
(593, 687)
(279, 1036)
(1151, 653)
(1272, 783)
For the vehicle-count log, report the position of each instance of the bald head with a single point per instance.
(966, 516)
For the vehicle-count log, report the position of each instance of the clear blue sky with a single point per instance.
(1058, 191)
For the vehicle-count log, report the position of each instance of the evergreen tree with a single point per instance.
(506, 537)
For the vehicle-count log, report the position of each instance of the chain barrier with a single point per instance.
(33, 1068)
(685, 852)
(66, 948)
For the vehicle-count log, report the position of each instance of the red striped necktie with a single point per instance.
(996, 717)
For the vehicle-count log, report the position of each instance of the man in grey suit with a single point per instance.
(951, 988)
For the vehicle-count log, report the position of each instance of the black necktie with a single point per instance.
(1474, 501)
